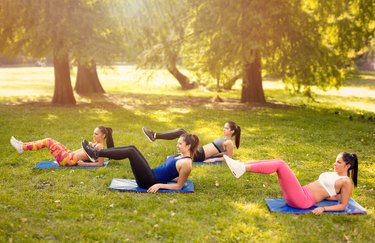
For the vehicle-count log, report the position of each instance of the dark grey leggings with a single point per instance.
(143, 174)
(169, 135)
(176, 133)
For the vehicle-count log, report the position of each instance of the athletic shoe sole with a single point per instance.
(16, 144)
(232, 168)
(144, 132)
(83, 147)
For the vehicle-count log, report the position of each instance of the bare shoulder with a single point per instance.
(186, 162)
(228, 142)
(99, 146)
(347, 183)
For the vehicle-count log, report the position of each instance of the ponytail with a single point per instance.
(352, 159)
(193, 141)
(237, 132)
(107, 131)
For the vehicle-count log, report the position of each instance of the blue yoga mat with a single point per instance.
(42, 165)
(207, 163)
(128, 185)
(280, 206)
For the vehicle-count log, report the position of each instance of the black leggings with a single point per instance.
(143, 173)
(176, 133)
(169, 135)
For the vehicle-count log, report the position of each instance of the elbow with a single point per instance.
(342, 206)
(179, 187)
(100, 161)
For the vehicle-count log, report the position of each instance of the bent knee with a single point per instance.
(133, 147)
(181, 130)
(280, 161)
(49, 141)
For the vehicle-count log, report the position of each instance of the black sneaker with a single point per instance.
(85, 142)
(89, 150)
(149, 134)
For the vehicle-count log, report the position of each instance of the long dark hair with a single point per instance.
(237, 131)
(107, 131)
(193, 141)
(352, 159)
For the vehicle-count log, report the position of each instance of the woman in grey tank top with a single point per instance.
(210, 152)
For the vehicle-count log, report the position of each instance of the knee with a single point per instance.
(133, 147)
(182, 131)
(282, 163)
(49, 141)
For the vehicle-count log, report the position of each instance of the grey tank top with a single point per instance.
(219, 144)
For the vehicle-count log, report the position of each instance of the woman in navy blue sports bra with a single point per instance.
(217, 148)
(178, 166)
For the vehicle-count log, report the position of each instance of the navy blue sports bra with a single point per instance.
(167, 171)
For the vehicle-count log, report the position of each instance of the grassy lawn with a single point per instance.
(75, 205)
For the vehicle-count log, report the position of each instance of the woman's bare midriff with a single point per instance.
(318, 191)
(80, 154)
(210, 150)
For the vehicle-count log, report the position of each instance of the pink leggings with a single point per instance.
(295, 195)
(61, 153)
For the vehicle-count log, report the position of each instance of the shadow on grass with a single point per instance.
(148, 101)
(362, 79)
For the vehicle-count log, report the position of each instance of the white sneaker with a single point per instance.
(14, 139)
(16, 144)
(237, 168)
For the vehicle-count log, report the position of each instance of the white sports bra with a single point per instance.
(327, 180)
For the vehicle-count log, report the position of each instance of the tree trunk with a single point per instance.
(63, 93)
(184, 81)
(87, 80)
(229, 84)
(252, 89)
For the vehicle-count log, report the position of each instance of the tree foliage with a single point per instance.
(327, 36)
(306, 42)
(158, 32)
(78, 29)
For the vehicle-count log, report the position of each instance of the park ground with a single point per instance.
(75, 205)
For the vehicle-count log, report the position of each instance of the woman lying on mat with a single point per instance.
(63, 155)
(330, 185)
(217, 148)
(175, 167)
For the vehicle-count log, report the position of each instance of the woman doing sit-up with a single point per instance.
(177, 167)
(330, 185)
(215, 149)
(62, 154)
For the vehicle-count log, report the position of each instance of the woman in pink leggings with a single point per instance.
(62, 154)
(330, 185)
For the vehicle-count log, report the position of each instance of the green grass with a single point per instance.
(75, 205)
